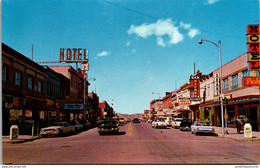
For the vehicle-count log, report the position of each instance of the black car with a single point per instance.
(136, 120)
(108, 126)
(185, 124)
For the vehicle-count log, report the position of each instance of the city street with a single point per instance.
(136, 143)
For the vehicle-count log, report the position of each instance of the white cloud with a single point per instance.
(133, 51)
(163, 28)
(104, 53)
(209, 2)
(193, 32)
(160, 42)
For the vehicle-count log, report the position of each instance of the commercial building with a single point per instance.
(24, 92)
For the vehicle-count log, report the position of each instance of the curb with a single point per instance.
(239, 139)
(9, 141)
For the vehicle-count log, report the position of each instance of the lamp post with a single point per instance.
(221, 94)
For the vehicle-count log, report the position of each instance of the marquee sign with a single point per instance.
(253, 47)
(73, 55)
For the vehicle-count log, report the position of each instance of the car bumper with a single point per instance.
(205, 131)
(185, 128)
(161, 126)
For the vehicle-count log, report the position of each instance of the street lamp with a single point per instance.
(221, 94)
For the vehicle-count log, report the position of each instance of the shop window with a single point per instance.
(4, 74)
(235, 81)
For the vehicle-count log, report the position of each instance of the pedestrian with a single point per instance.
(238, 124)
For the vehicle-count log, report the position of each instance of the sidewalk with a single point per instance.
(20, 139)
(232, 134)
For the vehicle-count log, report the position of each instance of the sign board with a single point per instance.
(85, 67)
(74, 107)
(195, 99)
(73, 55)
(195, 84)
(253, 47)
(251, 81)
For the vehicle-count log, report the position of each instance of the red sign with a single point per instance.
(73, 55)
(254, 66)
(253, 47)
(252, 29)
(251, 81)
(195, 84)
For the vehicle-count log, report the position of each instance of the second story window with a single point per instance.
(17, 79)
(40, 87)
(235, 81)
(225, 85)
(30, 83)
(246, 73)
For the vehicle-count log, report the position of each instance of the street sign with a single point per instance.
(85, 67)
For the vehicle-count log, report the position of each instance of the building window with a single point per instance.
(225, 85)
(246, 73)
(4, 74)
(40, 87)
(17, 79)
(235, 81)
(30, 83)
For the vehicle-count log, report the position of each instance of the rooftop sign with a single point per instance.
(73, 55)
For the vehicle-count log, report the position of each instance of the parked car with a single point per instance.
(150, 120)
(57, 128)
(202, 127)
(88, 124)
(168, 120)
(108, 126)
(136, 120)
(176, 122)
(159, 123)
(185, 124)
(121, 121)
(77, 125)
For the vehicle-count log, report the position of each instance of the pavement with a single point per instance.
(232, 134)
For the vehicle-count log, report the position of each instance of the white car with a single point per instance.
(57, 128)
(159, 123)
(202, 127)
(176, 122)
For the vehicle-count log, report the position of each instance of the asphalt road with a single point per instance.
(136, 143)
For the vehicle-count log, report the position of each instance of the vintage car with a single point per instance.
(108, 126)
(121, 121)
(185, 124)
(159, 123)
(202, 127)
(77, 125)
(176, 122)
(57, 128)
(136, 120)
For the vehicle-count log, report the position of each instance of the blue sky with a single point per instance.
(136, 47)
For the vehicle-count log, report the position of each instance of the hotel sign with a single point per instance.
(253, 47)
(195, 84)
(71, 55)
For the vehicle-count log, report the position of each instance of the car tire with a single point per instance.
(196, 133)
(61, 133)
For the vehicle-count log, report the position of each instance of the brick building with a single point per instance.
(23, 92)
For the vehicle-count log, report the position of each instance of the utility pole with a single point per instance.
(32, 51)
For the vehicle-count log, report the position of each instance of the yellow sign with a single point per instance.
(253, 57)
(225, 116)
(253, 38)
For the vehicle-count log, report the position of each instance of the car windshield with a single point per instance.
(160, 119)
(109, 122)
(57, 124)
(203, 124)
(178, 120)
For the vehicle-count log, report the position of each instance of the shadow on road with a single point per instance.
(116, 133)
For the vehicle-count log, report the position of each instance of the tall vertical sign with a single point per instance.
(195, 85)
(253, 54)
(253, 47)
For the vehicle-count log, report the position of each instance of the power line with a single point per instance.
(155, 17)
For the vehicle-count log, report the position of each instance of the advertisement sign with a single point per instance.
(251, 81)
(73, 55)
(28, 113)
(195, 84)
(253, 47)
(73, 107)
